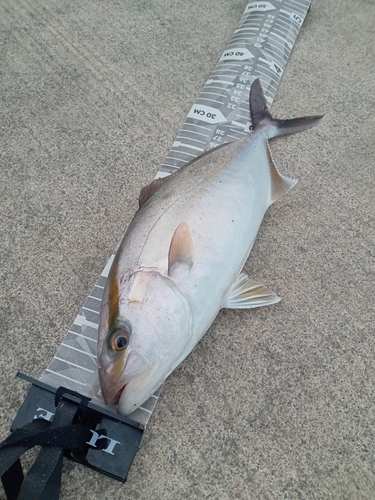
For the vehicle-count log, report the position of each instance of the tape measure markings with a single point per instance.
(66, 377)
(73, 364)
(79, 350)
(84, 336)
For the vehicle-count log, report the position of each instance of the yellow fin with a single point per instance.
(279, 183)
(246, 294)
(181, 249)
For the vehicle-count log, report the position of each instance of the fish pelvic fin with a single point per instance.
(244, 293)
(261, 117)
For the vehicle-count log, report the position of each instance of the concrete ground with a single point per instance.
(274, 403)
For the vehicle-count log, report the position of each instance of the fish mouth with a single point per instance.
(116, 397)
(111, 390)
(135, 368)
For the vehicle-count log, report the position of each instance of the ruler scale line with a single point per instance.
(83, 336)
(66, 377)
(74, 364)
(78, 350)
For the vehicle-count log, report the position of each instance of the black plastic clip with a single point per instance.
(64, 422)
(62, 391)
(43, 480)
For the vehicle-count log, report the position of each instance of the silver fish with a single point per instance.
(181, 258)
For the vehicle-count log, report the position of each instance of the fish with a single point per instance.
(181, 259)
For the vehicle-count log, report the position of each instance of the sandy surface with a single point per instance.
(275, 403)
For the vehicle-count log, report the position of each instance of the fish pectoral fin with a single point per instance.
(246, 294)
(181, 249)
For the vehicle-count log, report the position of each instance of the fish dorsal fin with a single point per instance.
(148, 191)
(246, 294)
(181, 249)
(279, 183)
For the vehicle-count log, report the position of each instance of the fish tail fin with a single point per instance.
(261, 117)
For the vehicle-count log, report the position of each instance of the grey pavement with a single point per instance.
(274, 403)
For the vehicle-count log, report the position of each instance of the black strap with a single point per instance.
(12, 480)
(43, 480)
(15, 450)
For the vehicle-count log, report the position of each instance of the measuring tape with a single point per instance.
(260, 47)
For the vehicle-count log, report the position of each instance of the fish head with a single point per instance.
(145, 340)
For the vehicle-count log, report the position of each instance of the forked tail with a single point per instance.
(261, 117)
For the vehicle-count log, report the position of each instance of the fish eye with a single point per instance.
(121, 342)
(119, 339)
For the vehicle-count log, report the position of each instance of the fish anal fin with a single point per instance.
(247, 294)
(181, 249)
(148, 191)
(279, 183)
